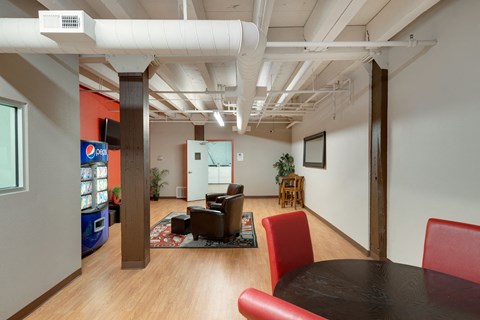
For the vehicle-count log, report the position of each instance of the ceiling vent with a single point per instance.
(67, 26)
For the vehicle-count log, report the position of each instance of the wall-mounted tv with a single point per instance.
(111, 133)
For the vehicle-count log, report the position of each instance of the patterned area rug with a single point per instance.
(162, 237)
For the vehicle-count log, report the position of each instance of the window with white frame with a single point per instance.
(11, 147)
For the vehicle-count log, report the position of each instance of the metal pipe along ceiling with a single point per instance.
(155, 37)
(350, 44)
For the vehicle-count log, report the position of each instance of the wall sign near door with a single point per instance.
(239, 156)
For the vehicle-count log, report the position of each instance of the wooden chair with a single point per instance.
(292, 192)
(285, 181)
(257, 305)
(289, 243)
(453, 248)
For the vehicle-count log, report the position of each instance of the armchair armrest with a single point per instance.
(208, 212)
(207, 222)
(220, 199)
(216, 206)
(213, 196)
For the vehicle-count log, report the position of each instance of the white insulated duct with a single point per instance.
(149, 37)
(202, 38)
(248, 70)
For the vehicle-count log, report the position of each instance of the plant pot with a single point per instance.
(155, 197)
(115, 200)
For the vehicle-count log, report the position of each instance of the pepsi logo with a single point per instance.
(90, 151)
(101, 152)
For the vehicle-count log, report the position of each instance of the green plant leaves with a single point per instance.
(157, 182)
(285, 165)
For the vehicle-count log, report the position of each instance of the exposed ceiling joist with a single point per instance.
(172, 79)
(176, 77)
(327, 21)
(103, 82)
(325, 24)
(395, 16)
(157, 83)
(196, 10)
(210, 81)
(125, 9)
(68, 5)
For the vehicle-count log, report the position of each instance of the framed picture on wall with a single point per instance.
(314, 150)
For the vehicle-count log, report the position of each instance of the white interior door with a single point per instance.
(197, 170)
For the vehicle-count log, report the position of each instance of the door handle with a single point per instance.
(189, 172)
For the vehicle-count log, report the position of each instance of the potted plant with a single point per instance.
(284, 166)
(116, 194)
(157, 182)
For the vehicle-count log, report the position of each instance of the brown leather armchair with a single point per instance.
(218, 224)
(211, 198)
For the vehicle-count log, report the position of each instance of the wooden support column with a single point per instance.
(378, 163)
(199, 132)
(135, 163)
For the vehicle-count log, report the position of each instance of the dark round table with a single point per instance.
(368, 289)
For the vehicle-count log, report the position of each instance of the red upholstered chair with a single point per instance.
(289, 243)
(453, 248)
(257, 305)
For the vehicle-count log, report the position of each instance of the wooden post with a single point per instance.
(199, 132)
(378, 163)
(135, 163)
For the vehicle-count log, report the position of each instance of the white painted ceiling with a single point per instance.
(289, 20)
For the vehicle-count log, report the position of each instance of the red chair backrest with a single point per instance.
(257, 305)
(289, 243)
(453, 248)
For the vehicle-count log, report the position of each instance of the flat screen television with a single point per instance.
(111, 134)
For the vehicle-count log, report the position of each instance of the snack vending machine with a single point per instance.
(94, 194)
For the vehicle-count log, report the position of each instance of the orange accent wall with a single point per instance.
(94, 108)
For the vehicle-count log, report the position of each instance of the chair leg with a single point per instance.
(299, 198)
(289, 198)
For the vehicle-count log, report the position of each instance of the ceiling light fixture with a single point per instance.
(219, 119)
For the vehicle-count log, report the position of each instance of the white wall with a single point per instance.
(40, 238)
(434, 127)
(261, 148)
(433, 153)
(339, 193)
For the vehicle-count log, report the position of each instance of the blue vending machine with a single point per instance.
(94, 194)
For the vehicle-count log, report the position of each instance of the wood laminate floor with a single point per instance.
(180, 283)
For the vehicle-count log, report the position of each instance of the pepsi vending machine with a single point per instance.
(94, 194)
